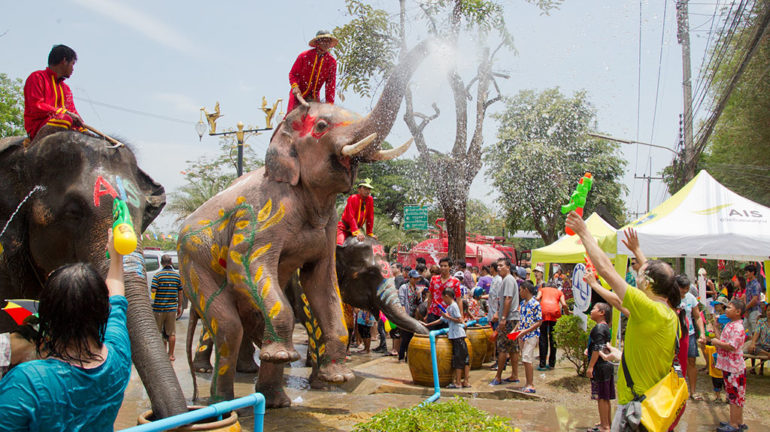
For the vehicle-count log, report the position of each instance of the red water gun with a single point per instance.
(590, 266)
(578, 198)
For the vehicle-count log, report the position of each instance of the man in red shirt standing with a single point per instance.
(312, 69)
(359, 211)
(438, 284)
(47, 99)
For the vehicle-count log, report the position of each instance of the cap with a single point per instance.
(367, 183)
(539, 268)
(478, 292)
(459, 275)
(721, 300)
(702, 271)
(414, 274)
(521, 272)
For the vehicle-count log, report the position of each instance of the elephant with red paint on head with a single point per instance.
(56, 198)
(239, 250)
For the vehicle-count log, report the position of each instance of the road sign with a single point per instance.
(415, 217)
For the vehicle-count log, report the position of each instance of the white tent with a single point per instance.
(704, 220)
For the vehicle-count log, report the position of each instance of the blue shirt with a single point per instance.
(51, 395)
(753, 289)
(530, 314)
(456, 330)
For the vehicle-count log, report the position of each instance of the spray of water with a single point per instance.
(34, 189)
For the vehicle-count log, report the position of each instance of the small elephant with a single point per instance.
(56, 198)
(238, 251)
(365, 282)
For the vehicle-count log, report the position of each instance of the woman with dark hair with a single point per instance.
(85, 354)
(739, 290)
(652, 323)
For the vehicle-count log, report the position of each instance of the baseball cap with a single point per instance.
(459, 275)
(414, 274)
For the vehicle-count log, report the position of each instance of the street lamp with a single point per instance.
(211, 119)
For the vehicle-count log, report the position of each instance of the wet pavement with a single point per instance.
(562, 402)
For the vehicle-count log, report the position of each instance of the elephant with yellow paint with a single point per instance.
(238, 251)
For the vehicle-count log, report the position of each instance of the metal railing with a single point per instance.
(216, 410)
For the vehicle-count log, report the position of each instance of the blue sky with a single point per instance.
(167, 59)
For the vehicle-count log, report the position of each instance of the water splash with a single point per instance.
(13, 215)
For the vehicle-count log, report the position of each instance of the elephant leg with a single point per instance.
(259, 280)
(227, 340)
(246, 363)
(326, 306)
(270, 384)
(202, 360)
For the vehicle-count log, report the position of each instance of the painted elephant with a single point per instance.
(365, 281)
(58, 193)
(238, 251)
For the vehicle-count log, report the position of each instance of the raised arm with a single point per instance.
(632, 243)
(114, 280)
(610, 297)
(598, 257)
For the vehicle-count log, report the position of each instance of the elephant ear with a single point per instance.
(155, 197)
(281, 159)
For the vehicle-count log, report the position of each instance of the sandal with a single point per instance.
(510, 380)
(528, 390)
(496, 382)
(452, 386)
(696, 397)
(467, 386)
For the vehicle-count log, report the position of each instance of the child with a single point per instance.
(365, 323)
(730, 360)
(709, 352)
(760, 340)
(529, 328)
(456, 333)
(600, 371)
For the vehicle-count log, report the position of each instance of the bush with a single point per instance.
(453, 416)
(573, 341)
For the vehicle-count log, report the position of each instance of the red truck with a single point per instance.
(479, 250)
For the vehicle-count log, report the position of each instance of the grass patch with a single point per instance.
(452, 416)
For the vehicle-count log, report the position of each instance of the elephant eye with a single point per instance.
(321, 126)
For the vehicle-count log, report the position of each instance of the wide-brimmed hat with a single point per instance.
(367, 183)
(323, 34)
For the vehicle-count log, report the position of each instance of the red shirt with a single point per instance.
(46, 101)
(358, 211)
(437, 290)
(312, 70)
(549, 303)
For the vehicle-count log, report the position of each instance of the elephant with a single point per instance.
(56, 205)
(365, 281)
(238, 251)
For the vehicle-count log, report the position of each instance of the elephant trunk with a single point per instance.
(387, 302)
(147, 350)
(380, 120)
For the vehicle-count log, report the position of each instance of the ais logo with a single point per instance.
(732, 213)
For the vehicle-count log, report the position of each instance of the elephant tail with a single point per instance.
(191, 324)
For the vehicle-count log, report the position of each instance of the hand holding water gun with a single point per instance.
(590, 266)
(578, 198)
(123, 233)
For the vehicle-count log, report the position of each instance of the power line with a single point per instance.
(137, 112)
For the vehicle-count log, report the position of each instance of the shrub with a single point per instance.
(455, 415)
(572, 340)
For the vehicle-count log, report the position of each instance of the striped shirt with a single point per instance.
(167, 285)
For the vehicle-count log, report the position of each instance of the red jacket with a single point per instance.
(309, 73)
(357, 211)
(46, 101)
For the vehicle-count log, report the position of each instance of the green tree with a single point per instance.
(738, 152)
(484, 220)
(11, 106)
(205, 177)
(541, 153)
(372, 41)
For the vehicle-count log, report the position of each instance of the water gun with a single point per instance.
(590, 266)
(123, 234)
(388, 325)
(578, 198)
(440, 306)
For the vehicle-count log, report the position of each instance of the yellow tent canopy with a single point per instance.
(569, 249)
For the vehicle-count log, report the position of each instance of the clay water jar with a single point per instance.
(490, 354)
(478, 346)
(227, 424)
(418, 357)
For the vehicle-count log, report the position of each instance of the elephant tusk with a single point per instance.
(354, 149)
(392, 153)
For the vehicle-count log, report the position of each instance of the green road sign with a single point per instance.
(415, 218)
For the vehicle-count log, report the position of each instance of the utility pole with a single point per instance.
(683, 37)
(649, 179)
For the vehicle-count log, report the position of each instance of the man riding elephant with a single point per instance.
(47, 99)
(312, 69)
(358, 214)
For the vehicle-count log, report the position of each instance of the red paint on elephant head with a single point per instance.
(316, 127)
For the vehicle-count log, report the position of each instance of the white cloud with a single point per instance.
(141, 22)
